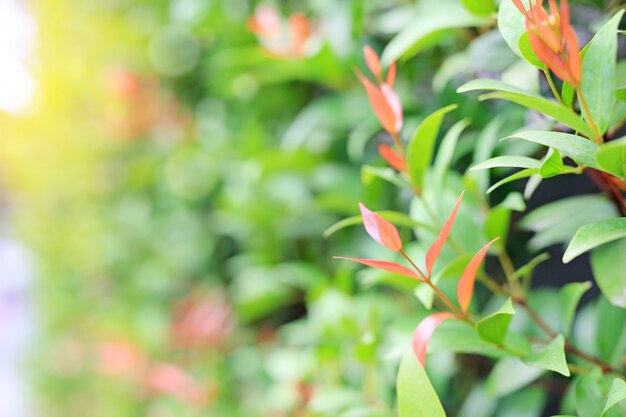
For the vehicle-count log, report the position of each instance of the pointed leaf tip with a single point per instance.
(381, 107)
(385, 266)
(435, 248)
(372, 61)
(380, 229)
(465, 287)
(424, 331)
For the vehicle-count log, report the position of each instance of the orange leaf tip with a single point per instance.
(465, 287)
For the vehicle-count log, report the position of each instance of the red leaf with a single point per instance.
(380, 229)
(465, 287)
(385, 266)
(550, 58)
(521, 8)
(394, 102)
(394, 160)
(372, 61)
(424, 331)
(435, 248)
(391, 75)
(298, 33)
(378, 101)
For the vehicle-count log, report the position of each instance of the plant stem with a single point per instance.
(592, 125)
(509, 271)
(398, 143)
(426, 279)
(555, 92)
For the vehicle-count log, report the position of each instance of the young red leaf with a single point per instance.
(396, 105)
(465, 287)
(373, 62)
(391, 75)
(394, 160)
(380, 229)
(424, 331)
(385, 266)
(435, 248)
(378, 101)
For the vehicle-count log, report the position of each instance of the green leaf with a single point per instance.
(608, 263)
(551, 357)
(610, 340)
(493, 328)
(552, 164)
(598, 77)
(617, 394)
(446, 152)
(395, 217)
(611, 157)
(422, 145)
(500, 381)
(508, 161)
(518, 175)
(589, 398)
(569, 296)
(511, 24)
(530, 266)
(497, 225)
(457, 336)
(416, 395)
(527, 52)
(480, 7)
(528, 99)
(567, 94)
(579, 149)
(592, 235)
(431, 17)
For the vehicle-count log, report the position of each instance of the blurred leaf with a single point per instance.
(598, 73)
(569, 296)
(497, 224)
(511, 23)
(494, 327)
(608, 264)
(589, 398)
(416, 395)
(368, 173)
(484, 149)
(422, 144)
(527, 99)
(457, 336)
(432, 17)
(592, 235)
(528, 268)
(551, 357)
(617, 394)
(480, 7)
(478, 403)
(610, 340)
(499, 382)
(611, 157)
(445, 153)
